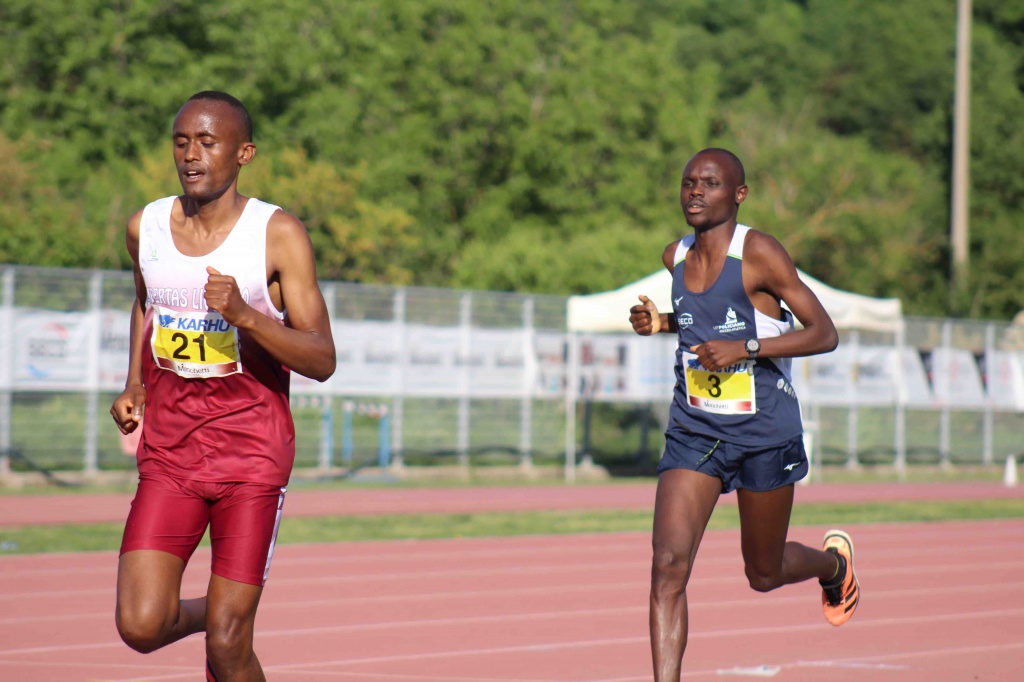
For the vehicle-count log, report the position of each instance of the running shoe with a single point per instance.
(840, 596)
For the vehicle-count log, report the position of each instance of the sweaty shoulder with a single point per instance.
(285, 223)
(669, 254)
(766, 264)
(135, 221)
(761, 249)
(287, 238)
(132, 231)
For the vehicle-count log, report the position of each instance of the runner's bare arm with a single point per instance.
(776, 275)
(770, 277)
(127, 407)
(645, 318)
(305, 343)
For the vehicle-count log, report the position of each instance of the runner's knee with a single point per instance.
(761, 580)
(144, 630)
(670, 566)
(228, 638)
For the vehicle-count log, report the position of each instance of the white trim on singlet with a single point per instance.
(735, 246)
(766, 326)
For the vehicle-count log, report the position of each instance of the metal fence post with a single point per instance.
(92, 395)
(398, 405)
(326, 459)
(944, 416)
(6, 369)
(465, 353)
(326, 455)
(347, 441)
(572, 381)
(988, 436)
(526, 404)
(852, 423)
(383, 440)
(900, 426)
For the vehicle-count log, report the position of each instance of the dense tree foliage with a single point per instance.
(530, 145)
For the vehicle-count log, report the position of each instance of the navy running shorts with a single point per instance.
(754, 468)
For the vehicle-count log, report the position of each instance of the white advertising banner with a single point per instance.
(74, 351)
(551, 356)
(956, 379)
(368, 356)
(1004, 373)
(51, 349)
(828, 378)
(115, 334)
(498, 362)
(433, 364)
(651, 367)
(916, 381)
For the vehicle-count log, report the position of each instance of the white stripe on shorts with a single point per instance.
(273, 538)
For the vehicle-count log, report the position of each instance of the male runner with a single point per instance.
(227, 305)
(734, 421)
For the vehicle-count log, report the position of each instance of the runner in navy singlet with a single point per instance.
(734, 423)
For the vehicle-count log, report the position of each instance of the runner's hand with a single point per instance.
(645, 318)
(719, 354)
(222, 295)
(127, 408)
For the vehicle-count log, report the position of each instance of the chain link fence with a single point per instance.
(428, 375)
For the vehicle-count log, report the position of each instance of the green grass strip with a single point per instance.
(107, 536)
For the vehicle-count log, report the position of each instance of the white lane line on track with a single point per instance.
(305, 605)
(865, 662)
(514, 570)
(410, 553)
(756, 671)
(604, 588)
(559, 646)
(526, 648)
(400, 557)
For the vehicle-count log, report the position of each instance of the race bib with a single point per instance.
(195, 345)
(726, 391)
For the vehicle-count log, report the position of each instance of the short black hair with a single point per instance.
(737, 164)
(234, 102)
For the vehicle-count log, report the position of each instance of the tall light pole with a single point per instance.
(961, 149)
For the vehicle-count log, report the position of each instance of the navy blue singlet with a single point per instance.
(751, 402)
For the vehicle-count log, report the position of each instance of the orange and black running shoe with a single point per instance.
(840, 596)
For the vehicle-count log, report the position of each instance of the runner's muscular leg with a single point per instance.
(230, 618)
(769, 560)
(682, 508)
(150, 612)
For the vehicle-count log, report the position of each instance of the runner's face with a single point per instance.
(208, 148)
(710, 192)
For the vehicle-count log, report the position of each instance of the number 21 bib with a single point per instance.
(195, 345)
(725, 391)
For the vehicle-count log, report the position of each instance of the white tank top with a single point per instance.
(217, 402)
(187, 338)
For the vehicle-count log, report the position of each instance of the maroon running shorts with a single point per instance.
(171, 515)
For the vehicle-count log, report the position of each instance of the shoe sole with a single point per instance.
(836, 533)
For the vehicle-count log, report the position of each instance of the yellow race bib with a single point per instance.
(726, 391)
(195, 345)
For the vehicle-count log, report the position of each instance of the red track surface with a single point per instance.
(940, 602)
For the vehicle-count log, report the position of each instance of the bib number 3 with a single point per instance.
(727, 391)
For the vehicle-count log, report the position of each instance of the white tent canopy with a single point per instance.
(609, 311)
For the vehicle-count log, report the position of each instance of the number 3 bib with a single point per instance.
(726, 391)
(195, 345)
